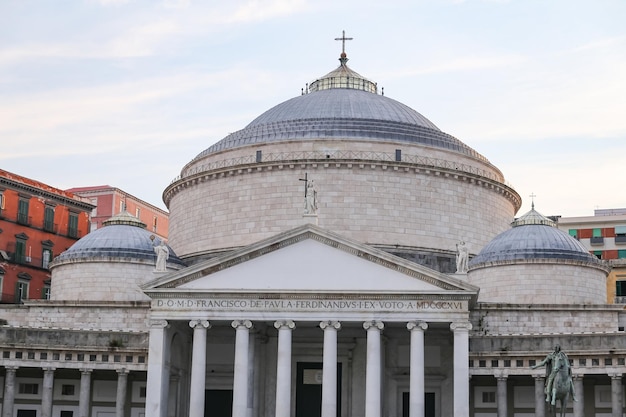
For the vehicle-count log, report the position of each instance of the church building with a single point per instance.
(339, 256)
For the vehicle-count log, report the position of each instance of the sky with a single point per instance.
(125, 93)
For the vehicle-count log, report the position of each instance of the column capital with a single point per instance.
(122, 371)
(417, 325)
(86, 371)
(241, 324)
(461, 326)
(539, 378)
(330, 324)
(158, 323)
(199, 323)
(49, 369)
(374, 324)
(615, 375)
(281, 324)
(577, 377)
(12, 369)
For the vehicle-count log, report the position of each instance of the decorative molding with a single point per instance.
(419, 165)
(284, 324)
(417, 325)
(330, 324)
(373, 324)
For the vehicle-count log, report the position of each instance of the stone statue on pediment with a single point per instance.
(462, 258)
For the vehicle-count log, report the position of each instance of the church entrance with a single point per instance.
(218, 402)
(309, 389)
(429, 404)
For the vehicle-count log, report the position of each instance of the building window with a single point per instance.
(489, 397)
(122, 206)
(46, 257)
(65, 413)
(72, 225)
(137, 212)
(598, 254)
(28, 389)
(1, 203)
(45, 292)
(94, 202)
(154, 224)
(621, 254)
(68, 389)
(22, 211)
(573, 233)
(21, 291)
(596, 233)
(48, 219)
(620, 234)
(596, 237)
(20, 250)
(620, 288)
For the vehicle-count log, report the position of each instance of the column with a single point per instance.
(501, 393)
(616, 395)
(84, 395)
(240, 380)
(540, 396)
(46, 392)
(283, 368)
(198, 368)
(373, 369)
(9, 391)
(329, 368)
(579, 406)
(120, 397)
(416, 383)
(461, 368)
(157, 386)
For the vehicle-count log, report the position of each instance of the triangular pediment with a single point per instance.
(309, 259)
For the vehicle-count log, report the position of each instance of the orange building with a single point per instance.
(37, 222)
(110, 201)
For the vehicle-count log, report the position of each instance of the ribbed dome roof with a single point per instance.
(533, 236)
(341, 105)
(123, 236)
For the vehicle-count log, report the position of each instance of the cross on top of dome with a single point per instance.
(343, 57)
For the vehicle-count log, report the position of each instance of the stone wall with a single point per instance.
(101, 280)
(540, 281)
(131, 317)
(377, 202)
(506, 319)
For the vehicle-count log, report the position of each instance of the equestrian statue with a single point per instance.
(559, 384)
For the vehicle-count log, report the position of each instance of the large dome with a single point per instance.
(385, 175)
(347, 113)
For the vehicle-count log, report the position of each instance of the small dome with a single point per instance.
(533, 236)
(123, 236)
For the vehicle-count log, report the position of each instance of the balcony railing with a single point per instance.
(50, 227)
(620, 299)
(23, 218)
(620, 239)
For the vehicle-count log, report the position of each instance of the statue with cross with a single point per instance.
(310, 195)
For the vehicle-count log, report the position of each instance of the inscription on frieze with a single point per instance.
(247, 304)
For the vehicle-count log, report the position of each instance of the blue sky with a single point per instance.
(124, 92)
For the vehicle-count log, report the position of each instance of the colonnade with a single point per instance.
(84, 398)
(157, 381)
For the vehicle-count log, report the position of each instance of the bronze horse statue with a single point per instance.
(562, 384)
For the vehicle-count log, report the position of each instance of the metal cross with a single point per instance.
(343, 40)
(532, 195)
(306, 182)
